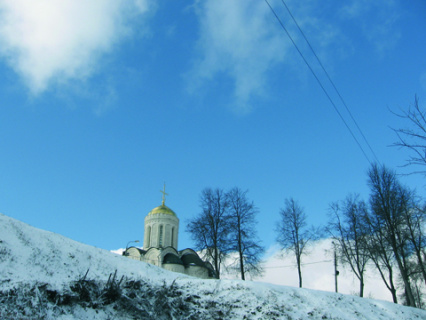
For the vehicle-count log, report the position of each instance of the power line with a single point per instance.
(319, 82)
(331, 81)
(294, 266)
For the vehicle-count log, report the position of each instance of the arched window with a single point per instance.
(173, 237)
(148, 237)
(160, 242)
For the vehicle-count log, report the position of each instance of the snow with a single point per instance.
(29, 257)
(28, 254)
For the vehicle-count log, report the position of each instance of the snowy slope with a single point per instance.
(28, 254)
(31, 258)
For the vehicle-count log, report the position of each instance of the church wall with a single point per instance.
(147, 237)
(163, 218)
(153, 256)
(156, 228)
(154, 239)
(175, 236)
(153, 261)
(174, 267)
(152, 230)
(133, 253)
(167, 235)
(167, 250)
(170, 236)
(197, 271)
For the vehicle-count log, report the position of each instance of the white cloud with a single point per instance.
(242, 41)
(318, 272)
(118, 251)
(237, 39)
(377, 20)
(49, 42)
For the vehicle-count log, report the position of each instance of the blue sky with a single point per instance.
(102, 103)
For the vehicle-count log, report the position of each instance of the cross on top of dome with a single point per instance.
(164, 194)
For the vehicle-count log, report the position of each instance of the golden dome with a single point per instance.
(162, 209)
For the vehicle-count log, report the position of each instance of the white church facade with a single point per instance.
(160, 245)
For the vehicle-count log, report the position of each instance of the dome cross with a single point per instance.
(164, 194)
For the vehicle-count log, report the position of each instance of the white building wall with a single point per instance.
(153, 256)
(133, 253)
(174, 267)
(153, 223)
(197, 271)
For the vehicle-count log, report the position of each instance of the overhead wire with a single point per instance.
(329, 79)
(319, 82)
(294, 266)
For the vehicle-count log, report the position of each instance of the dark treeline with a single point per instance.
(385, 232)
(388, 232)
(226, 224)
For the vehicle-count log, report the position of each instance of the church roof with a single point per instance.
(192, 259)
(172, 259)
(162, 209)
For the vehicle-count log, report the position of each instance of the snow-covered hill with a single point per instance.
(44, 275)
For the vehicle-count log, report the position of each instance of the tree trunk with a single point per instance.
(242, 266)
(416, 240)
(409, 293)
(389, 284)
(422, 266)
(299, 269)
(392, 287)
(394, 297)
(240, 249)
(216, 263)
(240, 252)
(361, 285)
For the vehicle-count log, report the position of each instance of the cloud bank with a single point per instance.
(55, 42)
(377, 20)
(242, 40)
(318, 272)
(49, 42)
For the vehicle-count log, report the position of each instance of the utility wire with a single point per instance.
(331, 81)
(294, 266)
(318, 81)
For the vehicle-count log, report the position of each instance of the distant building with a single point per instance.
(161, 242)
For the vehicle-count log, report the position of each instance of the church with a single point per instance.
(160, 245)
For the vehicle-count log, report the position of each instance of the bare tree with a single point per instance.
(210, 229)
(413, 138)
(419, 294)
(347, 227)
(380, 253)
(293, 234)
(243, 238)
(415, 224)
(389, 200)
